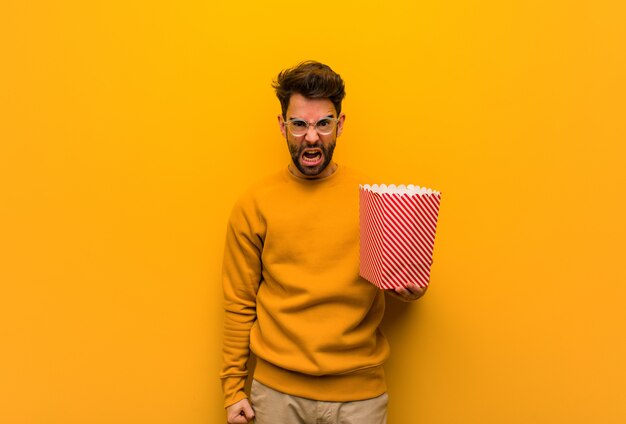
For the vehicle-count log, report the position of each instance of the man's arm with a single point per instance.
(241, 276)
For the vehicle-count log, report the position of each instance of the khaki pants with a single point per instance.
(273, 407)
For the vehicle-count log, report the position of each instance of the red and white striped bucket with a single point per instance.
(397, 226)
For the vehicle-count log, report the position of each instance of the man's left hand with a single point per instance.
(408, 294)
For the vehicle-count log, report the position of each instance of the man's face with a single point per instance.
(312, 152)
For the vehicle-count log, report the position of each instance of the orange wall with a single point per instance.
(128, 128)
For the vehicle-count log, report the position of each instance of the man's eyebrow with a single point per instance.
(332, 115)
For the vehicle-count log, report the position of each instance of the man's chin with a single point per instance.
(311, 171)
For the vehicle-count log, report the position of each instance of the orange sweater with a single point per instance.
(293, 295)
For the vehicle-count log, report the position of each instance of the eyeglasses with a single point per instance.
(299, 127)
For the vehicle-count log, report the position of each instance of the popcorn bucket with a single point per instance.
(397, 229)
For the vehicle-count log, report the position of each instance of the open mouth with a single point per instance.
(311, 157)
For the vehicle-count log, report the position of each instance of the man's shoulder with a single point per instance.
(261, 187)
(249, 200)
(266, 183)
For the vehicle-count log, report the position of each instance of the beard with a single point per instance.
(296, 151)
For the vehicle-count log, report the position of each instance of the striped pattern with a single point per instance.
(397, 237)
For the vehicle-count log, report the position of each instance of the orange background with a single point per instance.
(128, 128)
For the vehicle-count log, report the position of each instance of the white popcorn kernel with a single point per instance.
(400, 189)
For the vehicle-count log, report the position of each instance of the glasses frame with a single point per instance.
(308, 125)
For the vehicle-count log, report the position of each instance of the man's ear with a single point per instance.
(281, 124)
(342, 119)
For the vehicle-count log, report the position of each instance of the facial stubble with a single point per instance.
(296, 151)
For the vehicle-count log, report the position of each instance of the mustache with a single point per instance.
(302, 147)
(314, 146)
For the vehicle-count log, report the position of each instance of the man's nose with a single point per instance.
(311, 134)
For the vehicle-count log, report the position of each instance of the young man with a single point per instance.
(292, 291)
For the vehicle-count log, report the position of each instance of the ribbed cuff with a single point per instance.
(232, 388)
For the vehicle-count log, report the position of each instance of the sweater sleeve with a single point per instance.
(241, 276)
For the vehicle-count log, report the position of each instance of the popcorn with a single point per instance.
(397, 229)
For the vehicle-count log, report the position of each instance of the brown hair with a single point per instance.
(311, 79)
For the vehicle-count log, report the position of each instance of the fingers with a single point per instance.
(397, 294)
(240, 418)
(404, 292)
(248, 411)
(411, 292)
(240, 413)
(416, 290)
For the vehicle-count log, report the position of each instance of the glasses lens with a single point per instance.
(297, 127)
(325, 126)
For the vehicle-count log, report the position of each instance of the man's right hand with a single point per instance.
(240, 412)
